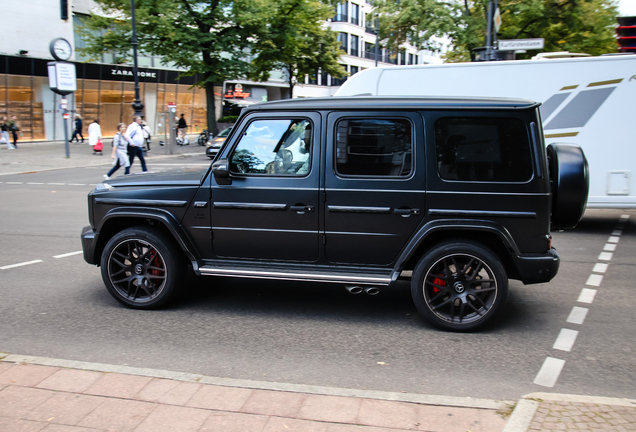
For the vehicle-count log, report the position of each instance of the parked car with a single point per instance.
(459, 195)
(215, 144)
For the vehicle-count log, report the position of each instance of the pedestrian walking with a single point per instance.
(120, 151)
(94, 132)
(146, 131)
(14, 128)
(182, 126)
(4, 133)
(78, 129)
(135, 137)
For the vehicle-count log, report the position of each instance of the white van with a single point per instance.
(589, 101)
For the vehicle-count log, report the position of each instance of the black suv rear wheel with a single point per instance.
(140, 268)
(459, 286)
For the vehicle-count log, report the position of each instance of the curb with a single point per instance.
(434, 400)
(526, 408)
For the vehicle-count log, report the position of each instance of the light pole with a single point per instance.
(137, 105)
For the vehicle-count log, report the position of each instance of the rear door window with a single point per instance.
(483, 149)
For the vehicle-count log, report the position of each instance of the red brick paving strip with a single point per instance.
(555, 416)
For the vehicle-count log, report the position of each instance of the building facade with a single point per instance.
(105, 90)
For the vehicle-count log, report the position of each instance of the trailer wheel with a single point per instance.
(569, 182)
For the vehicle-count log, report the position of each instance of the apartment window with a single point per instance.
(411, 59)
(403, 57)
(417, 59)
(369, 51)
(342, 12)
(370, 23)
(313, 78)
(354, 70)
(323, 78)
(339, 81)
(343, 38)
(355, 14)
(355, 43)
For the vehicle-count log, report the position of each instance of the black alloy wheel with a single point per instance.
(139, 268)
(459, 286)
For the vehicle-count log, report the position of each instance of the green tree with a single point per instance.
(566, 25)
(207, 39)
(297, 41)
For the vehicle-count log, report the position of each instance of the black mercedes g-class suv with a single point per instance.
(358, 191)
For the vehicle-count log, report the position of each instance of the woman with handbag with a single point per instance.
(94, 133)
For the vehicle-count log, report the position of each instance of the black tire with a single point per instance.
(569, 182)
(459, 286)
(141, 267)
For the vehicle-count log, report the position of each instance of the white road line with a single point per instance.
(605, 256)
(56, 184)
(549, 372)
(594, 280)
(600, 268)
(624, 216)
(14, 183)
(67, 254)
(20, 264)
(565, 340)
(609, 247)
(34, 183)
(192, 164)
(577, 316)
(587, 295)
(613, 239)
(617, 232)
(77, 184)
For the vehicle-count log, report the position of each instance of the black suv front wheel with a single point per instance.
(140, 268)
(459, 286)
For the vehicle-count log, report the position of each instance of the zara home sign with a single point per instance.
(124, 72)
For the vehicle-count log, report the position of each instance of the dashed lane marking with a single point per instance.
(587, 295)
(594, 280)
(613, 239)
(609, 247)
(565, 340)
(605, 256)
(20, 264)
(577, 316)
(549, 372)
(68, 254)
(600, 268)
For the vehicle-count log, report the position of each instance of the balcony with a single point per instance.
(355, 20)
(370, 30)
(340, 18)
(354, 52)
(371, 55)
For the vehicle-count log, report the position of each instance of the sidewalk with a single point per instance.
(51, 155)
(52, 395)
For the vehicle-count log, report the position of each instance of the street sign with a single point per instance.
(497, 20)
(521, 44)
(62, 79)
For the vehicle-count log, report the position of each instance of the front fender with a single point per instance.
(132, 214)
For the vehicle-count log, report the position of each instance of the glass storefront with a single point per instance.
(104, 92)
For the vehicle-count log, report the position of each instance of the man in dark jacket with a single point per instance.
(78, 129)
(183, 126)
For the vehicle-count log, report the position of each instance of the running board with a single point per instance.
(331, 277)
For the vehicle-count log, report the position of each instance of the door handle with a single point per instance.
(406, 212)
(300, 209)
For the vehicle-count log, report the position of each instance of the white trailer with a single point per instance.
(588, 101)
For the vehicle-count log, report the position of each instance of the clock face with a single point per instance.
(61, 49)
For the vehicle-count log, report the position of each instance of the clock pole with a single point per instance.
(137, 105)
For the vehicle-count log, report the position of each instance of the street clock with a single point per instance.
(61, 49)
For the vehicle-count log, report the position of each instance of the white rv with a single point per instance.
(589, 101)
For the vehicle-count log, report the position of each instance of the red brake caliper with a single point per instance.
(440, 282)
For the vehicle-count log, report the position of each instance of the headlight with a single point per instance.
(102, 187)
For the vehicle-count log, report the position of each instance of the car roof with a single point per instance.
(394, 102)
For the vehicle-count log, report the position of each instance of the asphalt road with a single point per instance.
(312, 333)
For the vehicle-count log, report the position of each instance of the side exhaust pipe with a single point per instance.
(353, 289)
(372, 290)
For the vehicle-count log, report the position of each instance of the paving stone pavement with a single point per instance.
(555, 416)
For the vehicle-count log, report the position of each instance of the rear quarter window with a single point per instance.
(473, 149)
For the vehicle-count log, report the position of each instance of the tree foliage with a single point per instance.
(566, 25)
(297, 41)
(214, 39)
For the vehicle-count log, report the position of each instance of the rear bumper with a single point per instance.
(538, 268)
(89, 239)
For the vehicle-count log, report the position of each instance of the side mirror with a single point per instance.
(221, 171)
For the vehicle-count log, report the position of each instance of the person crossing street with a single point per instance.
(135, 137)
